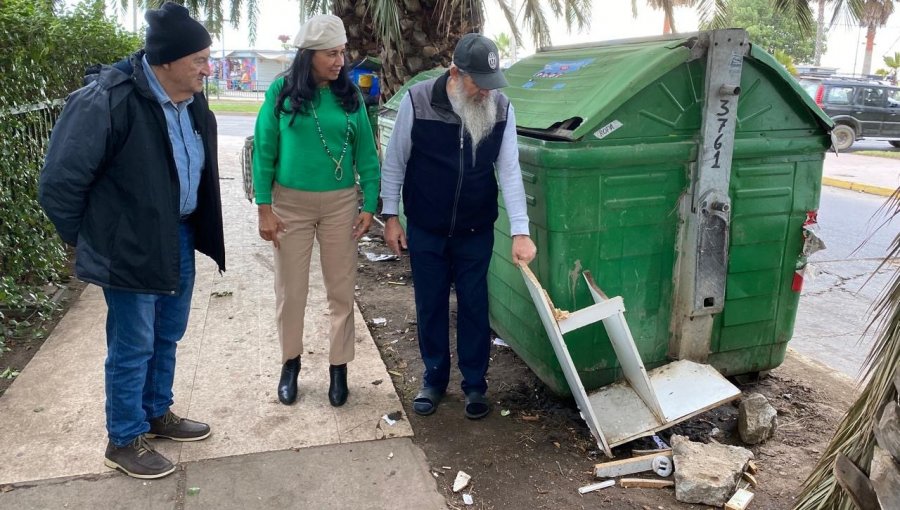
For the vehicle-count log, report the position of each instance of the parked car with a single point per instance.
(860, 109)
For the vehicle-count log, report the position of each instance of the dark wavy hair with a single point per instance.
(300, 87)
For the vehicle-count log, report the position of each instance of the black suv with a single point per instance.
(859, 108)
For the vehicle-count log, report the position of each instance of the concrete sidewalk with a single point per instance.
(262, 454)
(867, 174)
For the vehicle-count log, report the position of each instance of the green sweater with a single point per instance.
(293, 156)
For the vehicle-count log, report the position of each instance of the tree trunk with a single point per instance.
(870, 47)
(820, 33)
(667, 26)
(422, 45)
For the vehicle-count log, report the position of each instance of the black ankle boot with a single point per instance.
(337, 391)
(287, 386)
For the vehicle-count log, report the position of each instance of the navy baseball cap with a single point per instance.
(477, 56)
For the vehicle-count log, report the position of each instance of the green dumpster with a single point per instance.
(609, 139)
(626, 176)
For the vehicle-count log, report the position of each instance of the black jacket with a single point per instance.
(111, 188)
(448, 188)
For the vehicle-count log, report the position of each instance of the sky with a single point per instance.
(846, 44)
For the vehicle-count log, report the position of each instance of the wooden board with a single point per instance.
(887, 431)
(627, 466)
(646, 483)
(740, 501)
(885, 476)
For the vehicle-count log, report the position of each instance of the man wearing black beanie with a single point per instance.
(131, 180)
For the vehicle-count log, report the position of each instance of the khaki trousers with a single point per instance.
(328, 218)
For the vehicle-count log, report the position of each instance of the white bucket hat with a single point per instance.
(321, 32)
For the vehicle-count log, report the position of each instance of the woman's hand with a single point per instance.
(270, 225)
(362, 224)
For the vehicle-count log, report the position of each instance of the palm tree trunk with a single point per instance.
(870, 46)
(820, 33)
(667, 25)
(423, 44)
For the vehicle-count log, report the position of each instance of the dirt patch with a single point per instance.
(24, 342)
(538, 454)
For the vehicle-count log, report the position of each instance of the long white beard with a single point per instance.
(478, 117)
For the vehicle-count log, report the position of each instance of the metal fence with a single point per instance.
(228, 89)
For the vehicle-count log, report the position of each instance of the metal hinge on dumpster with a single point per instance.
(646, 402)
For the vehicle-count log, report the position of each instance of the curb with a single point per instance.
(855, 186)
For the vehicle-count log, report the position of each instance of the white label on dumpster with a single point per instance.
(607, 129)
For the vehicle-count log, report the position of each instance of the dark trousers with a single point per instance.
(437, 261)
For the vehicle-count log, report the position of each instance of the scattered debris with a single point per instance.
(751, 467)
(379, 321)
(750, 479)
(740, 500)
(660, 451)
(645, 483)
(627, 466)
(707, 473)
(193, 491)
(221, 293)
(387, 419)
(379, 257)
(660, 443)
(528, 417)
(397, 283)
(396, 415)
(504, 412)
(394, 372)
(499, 341)
(7, 488)
(757, 419)
(390, 455)
(446, 467)
(38, 409)
(467, 499)
(9, 373)
(462, 479)
(596, 486)
(377, 382)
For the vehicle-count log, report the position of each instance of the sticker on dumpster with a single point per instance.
(607, 129)
(557, 69)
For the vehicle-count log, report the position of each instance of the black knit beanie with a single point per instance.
(173, 34)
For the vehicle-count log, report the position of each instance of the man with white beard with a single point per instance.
(449, 134)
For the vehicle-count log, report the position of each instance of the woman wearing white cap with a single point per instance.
(312, 132)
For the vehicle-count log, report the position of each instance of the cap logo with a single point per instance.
(492, 60)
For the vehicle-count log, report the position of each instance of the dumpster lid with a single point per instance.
(564, 93)
(560, 91)
(394, 102)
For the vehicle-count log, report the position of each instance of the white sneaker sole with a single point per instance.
(110, 464)
(179, 439)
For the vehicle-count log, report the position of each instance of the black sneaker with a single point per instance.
(170, 426)
(138, 459)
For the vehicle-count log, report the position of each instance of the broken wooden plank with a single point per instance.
(627, 466)
(885, 477)
(596, 486)
(855, 483)
(646, 483)
(750, 479)
(658, 451)
(751, 467)
(740, 500)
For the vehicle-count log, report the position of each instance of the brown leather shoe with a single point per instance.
(170, 426)
(138, 459)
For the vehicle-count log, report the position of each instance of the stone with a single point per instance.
(707, 473)
(420, 38)
(757, 419)
(415, 64)
(429, 51)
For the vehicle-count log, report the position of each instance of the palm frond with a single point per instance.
(386, 19)
(452, 11)
(510, 16)
(713, 13)
(799, 11)
(854, 436)
(577, 13)
(536, 22)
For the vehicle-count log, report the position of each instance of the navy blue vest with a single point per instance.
(447, 189)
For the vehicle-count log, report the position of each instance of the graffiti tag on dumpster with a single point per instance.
(722, 119)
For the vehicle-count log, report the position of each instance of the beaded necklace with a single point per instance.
(338, 169)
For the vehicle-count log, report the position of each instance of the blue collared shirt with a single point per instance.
(187, 144)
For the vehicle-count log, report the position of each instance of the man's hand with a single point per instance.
(270, 225)
(523, 250)
(394, 235)
(362, 224)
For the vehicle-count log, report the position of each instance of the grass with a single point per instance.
(880, 154)
(226, 106)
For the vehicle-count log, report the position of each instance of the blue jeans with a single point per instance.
(437, 261)
(141, 335)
